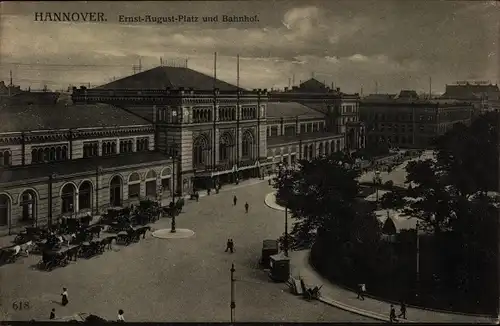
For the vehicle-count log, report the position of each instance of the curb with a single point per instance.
(270, 202)
(357, 311)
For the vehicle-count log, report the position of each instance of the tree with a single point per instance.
(322, 198)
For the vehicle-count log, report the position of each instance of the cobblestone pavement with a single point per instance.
(177, 279)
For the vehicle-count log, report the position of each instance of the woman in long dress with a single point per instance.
(64, 295)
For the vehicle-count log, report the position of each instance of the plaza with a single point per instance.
(177, 280)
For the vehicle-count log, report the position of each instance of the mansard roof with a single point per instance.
(60, 116)
(290, 109)
(313, 84)
(170, 77)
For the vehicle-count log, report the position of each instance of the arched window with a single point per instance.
(151, 184)
(320, 149)
(338, 145)
(68, 198)
(225, 145)
(200, 145)
(115, 191)
(134, 185)
(40, 155)
(247, 145)
(28, 206)
(4, 210)
(327, 149)
(34, 156)
(46, 154)
(52, 154)
(59, 152)
(5, 158)
(311, 152)
(85, 196)
(64, 154)
(165, 179)
(304, 152)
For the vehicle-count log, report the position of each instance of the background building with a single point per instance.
(483, 95)
(405, 121)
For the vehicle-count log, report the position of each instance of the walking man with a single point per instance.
(246, 207)
(392, 315)
(361, 291)
(235, 200)
(231, 245)
(228, 245)
(52, 314)
(402, 310)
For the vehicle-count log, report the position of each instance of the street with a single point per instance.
(175, 280)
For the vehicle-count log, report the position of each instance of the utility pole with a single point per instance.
(233, 303)
(286, 231)
(417, 285)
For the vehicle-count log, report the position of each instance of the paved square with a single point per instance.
(177, 280)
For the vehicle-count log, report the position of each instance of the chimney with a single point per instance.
(338, 89)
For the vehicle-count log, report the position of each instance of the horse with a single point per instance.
(142, 231)
(108, 241)
(73, 253)
(95, 230)
(26, 247)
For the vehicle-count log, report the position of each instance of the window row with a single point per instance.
(49, 154)
(202, 115)
(74, 200)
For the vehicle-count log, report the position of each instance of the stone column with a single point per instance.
(117, 145)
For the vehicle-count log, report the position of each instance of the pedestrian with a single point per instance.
(64, 296)
(235, 200)
(228, 245)
(392, 315)
(361, 291)
(197, 195)
(52, 314)
(120, 316)
(246, 207)
(402, 310)
(231, 245)
(208, 192)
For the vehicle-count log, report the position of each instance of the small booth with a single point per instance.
(280, 268)
(269, 248)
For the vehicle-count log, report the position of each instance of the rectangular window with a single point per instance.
(289, 130)
(302, 128)
(90, 149)
(274, 131)
(142, 145)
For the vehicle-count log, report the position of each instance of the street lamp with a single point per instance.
(285, 244)
(417, 272)
(377, 180)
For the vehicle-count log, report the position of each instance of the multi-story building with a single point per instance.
(161, 132)
(408, 122)
(314, 120)
(67, 160)
(483, 95)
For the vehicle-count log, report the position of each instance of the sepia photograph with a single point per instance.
(322, 161)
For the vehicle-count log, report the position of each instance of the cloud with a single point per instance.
(350, 43)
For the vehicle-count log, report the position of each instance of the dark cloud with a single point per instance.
(351, 43)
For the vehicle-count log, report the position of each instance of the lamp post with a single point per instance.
(285, 245)
(417, 272)
(377, 181)
(233, 303)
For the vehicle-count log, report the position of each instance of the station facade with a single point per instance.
(159, 133)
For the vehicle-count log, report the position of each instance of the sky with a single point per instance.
(353, 44)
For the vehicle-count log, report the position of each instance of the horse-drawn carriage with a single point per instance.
(31, 234)
(174, 208)
(8, 255)
(52, 259)
(92, 248)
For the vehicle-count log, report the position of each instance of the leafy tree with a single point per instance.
(322, 198)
